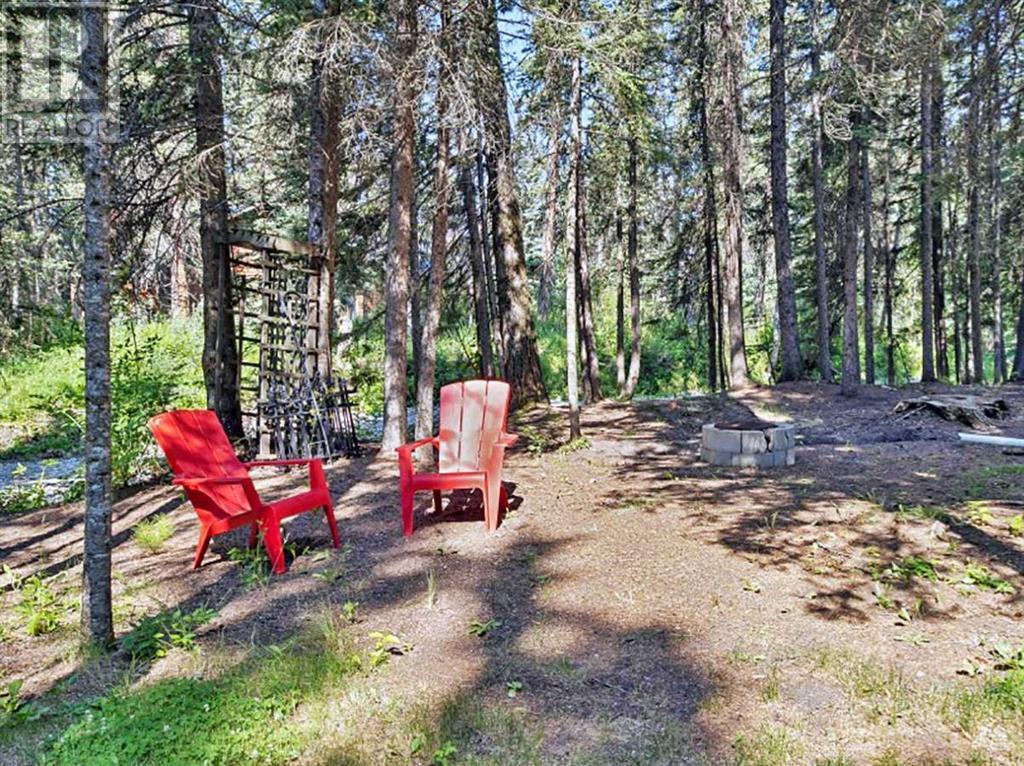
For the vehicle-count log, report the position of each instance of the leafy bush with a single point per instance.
(155, 636)
(38, 607)
(154, 367)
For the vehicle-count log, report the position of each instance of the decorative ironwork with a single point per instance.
(299, 413)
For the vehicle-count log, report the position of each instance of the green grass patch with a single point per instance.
(245, 717)
(999, 700)
(152, 534)
(767, 746)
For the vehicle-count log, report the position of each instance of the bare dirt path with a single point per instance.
(652, 609)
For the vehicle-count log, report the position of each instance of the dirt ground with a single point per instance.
(643, 596)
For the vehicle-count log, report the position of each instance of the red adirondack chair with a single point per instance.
(471, 449)
(219, 486)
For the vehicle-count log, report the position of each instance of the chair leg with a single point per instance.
(332, 523)
(437, 501)
(492, 495)
(407, 502)
(275, 546)
(503, 499)
(204, 542)
(254, 534)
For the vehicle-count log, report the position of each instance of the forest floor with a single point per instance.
(636, 606)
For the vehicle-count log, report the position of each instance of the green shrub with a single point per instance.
(38, 607)
(154, 367)
(155, 636)
(151, 534)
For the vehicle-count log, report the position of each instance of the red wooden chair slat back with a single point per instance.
(474, 413)
(196, 446)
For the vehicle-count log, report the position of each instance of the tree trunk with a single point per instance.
(220, 355)
(323, 195)
(180, 294)
(710, 212)
(820, 259)
(572, 254)
(592, 364)
(869, 269)
(959, 351)
(938, 235)
(620, 317)
(732, 164)
(792, 363)
(400, 229)
(850, 383)
(438, 248)
(97, 612)
(632, 244)
(973, 256)
(550, 236)
(520, 358)
(927, 278)
(488, 215)
(476, 262)
(995, 193)
(889, 252)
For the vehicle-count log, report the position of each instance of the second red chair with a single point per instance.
(471, 447)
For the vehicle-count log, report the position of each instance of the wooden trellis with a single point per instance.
(298, 413)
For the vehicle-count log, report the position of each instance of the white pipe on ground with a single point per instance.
(997, 441)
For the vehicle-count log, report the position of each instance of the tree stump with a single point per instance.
(968, 409)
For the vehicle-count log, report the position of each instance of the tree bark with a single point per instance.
(620, 316)
(732, 163)
(97, 612)
(938, 234)
(592, 364)
(889, 252)
(995, 192)
(710, 212)
(438, 248)
(820, 259)
(792, 362)
(550, 236)
(850, 383)
(220, 356)
(520, 358)
(869, 269)
(927, 277)
(323, 194)
(632, 245)
(572, 255)
(400, 229)
(973, 256)
(476, 262)
(180, 294)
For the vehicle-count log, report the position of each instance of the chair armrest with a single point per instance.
(405, 466)
(270, 463)
(197, 482)
(408, 448)
(507, 440)
(317, 480)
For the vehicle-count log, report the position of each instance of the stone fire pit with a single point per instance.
(753, 442)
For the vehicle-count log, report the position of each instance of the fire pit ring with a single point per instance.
(748, 443)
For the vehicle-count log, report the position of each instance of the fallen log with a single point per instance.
(995, 441)
(968, 409)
